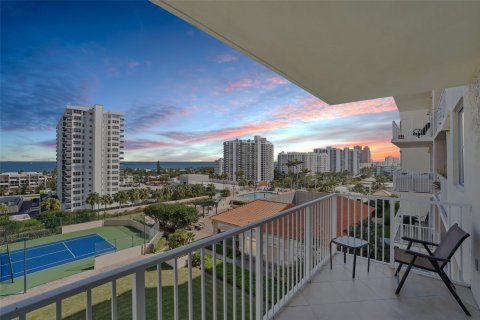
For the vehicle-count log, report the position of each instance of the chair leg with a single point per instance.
(398, 269)
(400, 285)
(447, 282)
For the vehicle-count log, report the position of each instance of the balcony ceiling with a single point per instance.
(343, 52)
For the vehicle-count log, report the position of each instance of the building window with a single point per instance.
(461, 140)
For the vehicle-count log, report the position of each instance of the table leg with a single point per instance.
(368, 264)
(330, 255)
(344, 254)
(354, 262)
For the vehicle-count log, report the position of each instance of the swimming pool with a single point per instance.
(256, 195)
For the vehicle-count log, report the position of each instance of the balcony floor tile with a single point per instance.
(334, 295)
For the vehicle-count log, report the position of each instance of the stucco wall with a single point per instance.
(82, 226)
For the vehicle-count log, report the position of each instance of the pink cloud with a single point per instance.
(258, 81)
(145, 144)
(225, 58)
(226, 133)
(238, 85)
(311, 109)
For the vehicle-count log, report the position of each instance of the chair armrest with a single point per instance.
(426, 256)
(420, 241)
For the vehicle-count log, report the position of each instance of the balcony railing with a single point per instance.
(440, 110)
(272, 260)
(412, 128)
(413, 181)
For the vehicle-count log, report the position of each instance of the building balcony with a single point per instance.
(412, 132)
(334, 295)
(288, 256)
(412, 181)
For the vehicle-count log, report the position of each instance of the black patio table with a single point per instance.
(347, 242)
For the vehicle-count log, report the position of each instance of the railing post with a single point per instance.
(258, 273)
(138, 295)
(308, 242)
(334, 216)
(392, 232)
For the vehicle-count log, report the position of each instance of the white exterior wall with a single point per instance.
(416, 158)
(469, 193)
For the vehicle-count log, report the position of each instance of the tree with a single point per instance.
(359, 188)
(51, 183)
(2, 191)
(180, 238)
(159, 169)
(305, 173)
(120, 197)
(167, 193)
(210, 190)
(50, 204)
(3, 208)
(143, 194)
(239, 174)
(106, 200)
(172, 216)
(225, 193)
(133, 195)
(294, 164)
(93, 198)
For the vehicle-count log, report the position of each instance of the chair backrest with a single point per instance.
(450, 243)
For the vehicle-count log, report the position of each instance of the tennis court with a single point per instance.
(52, 254)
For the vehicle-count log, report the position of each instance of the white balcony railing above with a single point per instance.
(440, 110)
(413, 181)
(271, 260)
(412, 128)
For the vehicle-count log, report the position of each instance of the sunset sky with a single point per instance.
(182, 91)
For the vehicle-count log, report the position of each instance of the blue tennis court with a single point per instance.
(53, 254)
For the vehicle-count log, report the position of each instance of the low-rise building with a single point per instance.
(11, 181)
(194, 178)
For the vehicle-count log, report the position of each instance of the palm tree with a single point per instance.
(106, 200)
(293, 163)
(239, 174)
(93, 198)
(167, 193)
(133, 195)
(305, 173)
(143, 194)
(120, 197)
(51, 204)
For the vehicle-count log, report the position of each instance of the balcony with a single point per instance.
(412, 132)
(440, 112)
(413, 181)
(280, 270)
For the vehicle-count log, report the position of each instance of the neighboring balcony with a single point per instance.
(412, 132)
(278, 267)
(413, 181)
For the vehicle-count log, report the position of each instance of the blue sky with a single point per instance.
(182, 91)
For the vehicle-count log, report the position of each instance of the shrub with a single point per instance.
(225, 193)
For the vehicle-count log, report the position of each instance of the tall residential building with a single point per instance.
(366, 155)
(314, 162)
(218, 166)
(89, 153)
(342, 159)
(252, 157)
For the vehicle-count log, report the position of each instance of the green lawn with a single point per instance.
(121, 237)
(74, 307)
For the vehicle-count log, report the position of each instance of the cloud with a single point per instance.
(225, 133)
(49, 144)
(255, 81)
(146, 116)
(145, 144)
(225, 58)
(310, 109)
(133, 64)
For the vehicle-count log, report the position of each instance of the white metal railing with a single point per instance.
(412, 128)
(440, 111)
(412, 181)
(272, 260)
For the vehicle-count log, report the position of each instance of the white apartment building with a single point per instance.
(10, 181)
(252, 157)
(314, 162)
(342, 159)
(218, 166)
(89, 153)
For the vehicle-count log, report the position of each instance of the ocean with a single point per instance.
(7, 166)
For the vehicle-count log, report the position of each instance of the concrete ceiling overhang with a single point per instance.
(349, 51)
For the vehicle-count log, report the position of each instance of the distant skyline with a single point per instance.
(182, 91)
